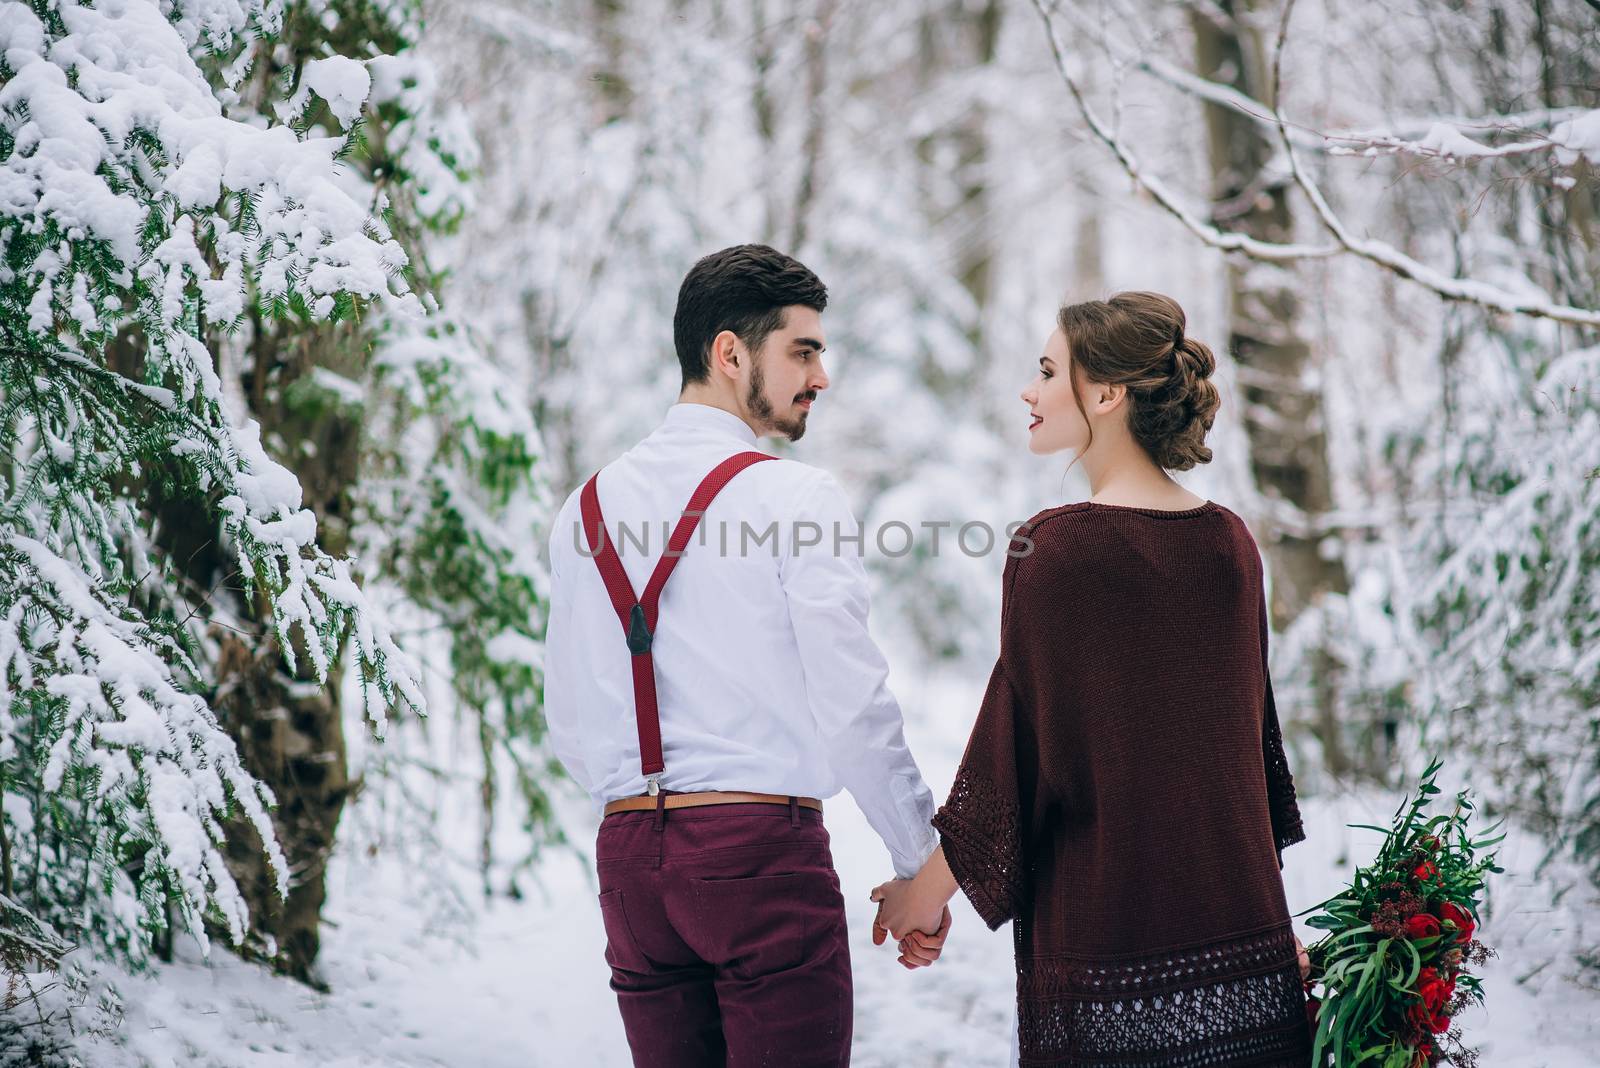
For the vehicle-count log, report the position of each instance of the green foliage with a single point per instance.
(1511, 618)
(116, 774)
(1405, 920)
(461, 474)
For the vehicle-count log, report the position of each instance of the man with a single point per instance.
(709, 713)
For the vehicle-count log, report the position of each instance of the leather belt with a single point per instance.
(646, 803)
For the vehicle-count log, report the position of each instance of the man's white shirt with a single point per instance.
(766, 677)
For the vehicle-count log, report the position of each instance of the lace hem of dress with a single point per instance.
(1234, 1002)
(979, 828)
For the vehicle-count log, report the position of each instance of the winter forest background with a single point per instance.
(311, 312)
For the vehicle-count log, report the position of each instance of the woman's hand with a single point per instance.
(1305, 960)
(918, 919)
(903, 908)
(918, 950)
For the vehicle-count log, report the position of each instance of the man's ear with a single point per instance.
(726, 352)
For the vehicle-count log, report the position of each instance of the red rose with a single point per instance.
(1460, 917)
(1430, 843)
(1422, 925)
(1425, 1021)
(1425, 871)
(1434, 994)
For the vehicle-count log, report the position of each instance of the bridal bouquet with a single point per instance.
(1393, 965)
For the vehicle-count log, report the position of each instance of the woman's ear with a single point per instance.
(1108, 397)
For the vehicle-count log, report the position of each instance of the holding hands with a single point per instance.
(920, 940)
(916, 912)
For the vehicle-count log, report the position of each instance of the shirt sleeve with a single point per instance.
(558, 639)
(846, 676)
(1287, 828)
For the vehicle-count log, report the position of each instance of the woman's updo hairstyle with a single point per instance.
(1137, 340)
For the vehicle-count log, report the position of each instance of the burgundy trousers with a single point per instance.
(725, 934)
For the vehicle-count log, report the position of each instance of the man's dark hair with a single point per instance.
(744, 289)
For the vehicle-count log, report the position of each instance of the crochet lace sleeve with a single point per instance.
(1286, 826)
(979, 825)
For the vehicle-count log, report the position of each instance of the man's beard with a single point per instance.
(761, 408)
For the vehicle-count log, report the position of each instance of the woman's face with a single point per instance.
(1056, 423)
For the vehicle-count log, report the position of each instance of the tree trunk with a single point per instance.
(289, 728)
(1282, 413)
(955, 41)
(291, 737)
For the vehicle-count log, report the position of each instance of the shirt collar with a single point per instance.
(707, 417)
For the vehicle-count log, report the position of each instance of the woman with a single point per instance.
(1124, 799)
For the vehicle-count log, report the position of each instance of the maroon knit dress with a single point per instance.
(1125, 800)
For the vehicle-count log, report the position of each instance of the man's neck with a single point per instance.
(727, 404)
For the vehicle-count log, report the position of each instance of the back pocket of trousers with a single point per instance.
(757, 925)
(622, 949)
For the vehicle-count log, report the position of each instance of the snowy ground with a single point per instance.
(524, 984)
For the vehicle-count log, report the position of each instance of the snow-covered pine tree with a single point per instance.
(148, 219)
(452, 508)
(140, 220)
(208, 269)
(1506, 598)
(1508, 612)
(321, 391)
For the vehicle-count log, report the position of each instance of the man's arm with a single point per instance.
(846, 676)
(559, 640)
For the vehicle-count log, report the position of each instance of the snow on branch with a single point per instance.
(138, 219)
(115, 124)
(1465, 290)
(1378, 252)
(1216, 237)
(1185, 80)
(1417, 127)
(1574, 133)
(1571, 139)
(162, 768)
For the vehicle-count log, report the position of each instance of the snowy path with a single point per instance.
(532, 992)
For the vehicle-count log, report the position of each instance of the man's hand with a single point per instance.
(919, 949)
(919, 925)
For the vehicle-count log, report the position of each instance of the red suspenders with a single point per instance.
(638, 614)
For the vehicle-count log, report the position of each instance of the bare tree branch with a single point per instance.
(1440, 137)
(1446, 141)
(1537, 119)
(1226, 240)
(1456, 289)
(1185, 80)
(1465, 290)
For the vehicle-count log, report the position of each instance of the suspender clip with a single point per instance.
(639, 635)
(652, 785)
